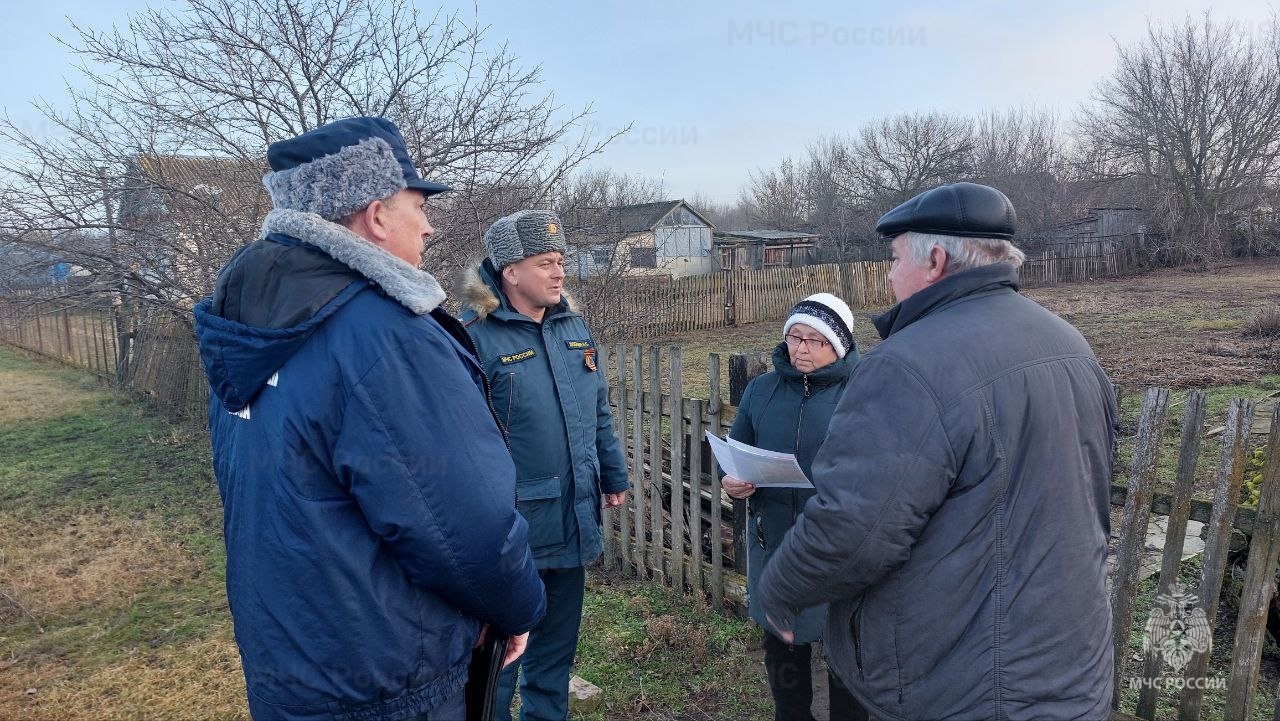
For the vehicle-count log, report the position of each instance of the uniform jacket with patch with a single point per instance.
(554, 403)
(960, 525)
(788, 411)
(368, 495)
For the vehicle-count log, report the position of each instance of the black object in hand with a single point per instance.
(482, 676)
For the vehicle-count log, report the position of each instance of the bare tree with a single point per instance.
(1192, 111)
(846, 182)
(843, 221)
(897, 157)
(735, 215)
(1022, 152)
(778, 197)
(161, 157)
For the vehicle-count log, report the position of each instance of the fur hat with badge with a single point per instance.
(524, 233)
(828, 315)
(339, 168)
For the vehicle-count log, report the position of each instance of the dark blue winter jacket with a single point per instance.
(369, 497)
(788, 411)
(554, 403)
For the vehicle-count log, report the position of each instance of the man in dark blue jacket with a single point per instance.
(369, 498)
(960, 525)
(554, 402)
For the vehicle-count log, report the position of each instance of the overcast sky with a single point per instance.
(716, 89)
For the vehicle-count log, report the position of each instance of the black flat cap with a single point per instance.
(967, 210)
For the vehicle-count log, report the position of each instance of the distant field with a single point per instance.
(1169, 328)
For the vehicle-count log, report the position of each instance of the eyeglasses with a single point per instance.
(814, 344)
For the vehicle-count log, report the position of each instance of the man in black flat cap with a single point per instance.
(960, 525)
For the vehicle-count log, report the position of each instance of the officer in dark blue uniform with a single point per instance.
(554, 404)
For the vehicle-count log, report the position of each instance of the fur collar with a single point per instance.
(415, 289)
(476, 293)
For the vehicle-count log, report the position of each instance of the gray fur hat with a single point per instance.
(522, 234)
(339, 168)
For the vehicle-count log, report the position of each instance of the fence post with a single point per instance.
(123, 338)
(39, 330)
(742, 368)
(1259, 586)
(1176, 534)
(1133, 527)
(715, 407)
(66, 335)
(677, 469)
(1218, 542)
(696, 577)
(656, 542)
(620, 392)
(637, 460)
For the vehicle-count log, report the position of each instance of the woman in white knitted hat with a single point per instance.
(788, 410)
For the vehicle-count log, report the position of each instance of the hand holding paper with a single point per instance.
(756, 465)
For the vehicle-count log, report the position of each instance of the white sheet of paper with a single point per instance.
(756, 465)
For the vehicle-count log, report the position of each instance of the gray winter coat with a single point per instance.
(960, 524)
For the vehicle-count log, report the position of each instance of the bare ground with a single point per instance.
(1175, 328)
(1170, 328)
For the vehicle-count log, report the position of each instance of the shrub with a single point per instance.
(1263, 324)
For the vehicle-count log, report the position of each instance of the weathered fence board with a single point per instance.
(677, 435)
(715, 409)
(1175, 534)
(1230, 476)
(1133, 529)
(1259, 587)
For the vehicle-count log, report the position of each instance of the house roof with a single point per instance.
(768, 236)
(637, 218)
(627, 218)
(156, 183)
(1091, 216)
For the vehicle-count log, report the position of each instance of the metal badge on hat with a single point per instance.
(552, 228)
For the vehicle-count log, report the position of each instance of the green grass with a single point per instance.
(117, 475)
(1217, 402)
(1214, 324)
(654, 651)
(1220, 654)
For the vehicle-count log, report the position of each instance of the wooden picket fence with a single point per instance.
(151, 353)
(734, 297)
(1140, 501)
(676, 527)
(84, 337)
(679, 305)
(1083, 260)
